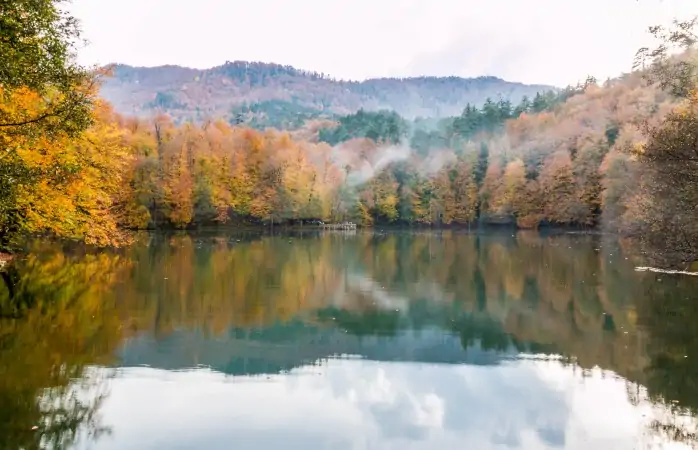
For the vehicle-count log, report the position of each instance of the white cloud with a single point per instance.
(547, 41)
(537, 41)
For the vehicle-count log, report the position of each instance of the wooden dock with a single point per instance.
(339, 226)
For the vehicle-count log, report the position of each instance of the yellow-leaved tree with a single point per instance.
(60, 183)
(60, 157)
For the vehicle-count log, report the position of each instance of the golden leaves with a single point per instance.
(69, 181)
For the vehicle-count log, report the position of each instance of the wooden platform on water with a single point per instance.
(339, 226)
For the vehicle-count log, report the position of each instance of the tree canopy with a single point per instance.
(60, 157)
(38, 42)
(669, 189)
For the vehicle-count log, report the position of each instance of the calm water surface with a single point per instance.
(348, 341)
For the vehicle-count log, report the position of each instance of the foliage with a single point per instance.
(676, 74)
(670, 186)
(59, 183)
(528, 171)
(218, 92)
(449, 132)
(279, 114)
(60, 157)
(496, 164)
(58, 321)
(165, 100)
(381, 126)
(37, 43)
(667, 199)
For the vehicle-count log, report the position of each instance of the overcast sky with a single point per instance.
(534, 41)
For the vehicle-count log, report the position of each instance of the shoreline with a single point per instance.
(569, 229)
(377, 230)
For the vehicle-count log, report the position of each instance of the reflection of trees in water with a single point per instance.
(574, 292)
(184, 282)
(57, 322)
(576, 295)
(368, 323)
(675, 426)
(667, 315)
(70, 413)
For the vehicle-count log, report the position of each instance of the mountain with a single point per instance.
(283, 96)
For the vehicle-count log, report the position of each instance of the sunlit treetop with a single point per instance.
(38, 40)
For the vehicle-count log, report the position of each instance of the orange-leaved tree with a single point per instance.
(669, 188)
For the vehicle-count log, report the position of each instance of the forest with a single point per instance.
(287, 115)
(618, 155)
(569, 164)
(270, 95)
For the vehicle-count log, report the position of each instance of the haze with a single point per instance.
(537, 41)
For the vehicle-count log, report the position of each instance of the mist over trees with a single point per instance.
(620, 154)
(267, 95)
(559, 159)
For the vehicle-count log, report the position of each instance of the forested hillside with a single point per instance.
(263, 94)
(620, 154)
(563, 159)
(564, 162)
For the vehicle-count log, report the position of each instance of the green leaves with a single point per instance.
(37, 44)
(380, 126)
(44, 96)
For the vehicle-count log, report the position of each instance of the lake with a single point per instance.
(348, 340)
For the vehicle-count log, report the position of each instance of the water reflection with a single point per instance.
(567, 294)
(55, 321)
(439, 321)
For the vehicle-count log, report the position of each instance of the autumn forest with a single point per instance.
(563, 165)
(170, 219)
(598, 154)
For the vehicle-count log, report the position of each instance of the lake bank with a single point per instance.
(255, 226)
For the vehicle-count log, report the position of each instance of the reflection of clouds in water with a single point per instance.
(357, 404)
(386, 395)
(419, 402)
(382, 297)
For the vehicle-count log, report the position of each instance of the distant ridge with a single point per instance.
(221, 92)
